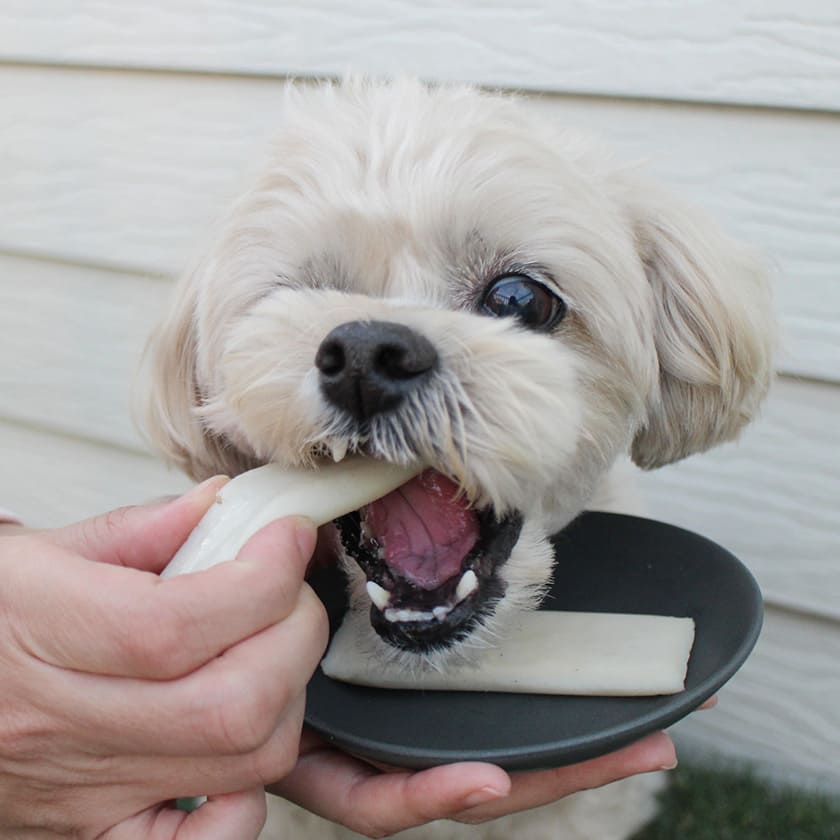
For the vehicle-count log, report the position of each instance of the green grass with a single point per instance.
(720, 804)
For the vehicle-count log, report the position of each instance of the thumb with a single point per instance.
(140, 537)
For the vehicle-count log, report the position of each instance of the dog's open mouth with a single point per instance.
(430, 559)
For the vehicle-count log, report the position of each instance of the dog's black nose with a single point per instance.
(368, 367)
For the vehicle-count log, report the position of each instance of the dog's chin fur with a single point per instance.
(402, 203)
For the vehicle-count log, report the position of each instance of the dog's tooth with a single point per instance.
(440, 613)
(339, 449)
(466, 586)
(380, 596)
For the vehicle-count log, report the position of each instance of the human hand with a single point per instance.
(378, 802)
(122, 691)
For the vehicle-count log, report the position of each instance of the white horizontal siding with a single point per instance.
(50, 480)
(769, 52)
(780, 711)
(70, 343)
(131, 170)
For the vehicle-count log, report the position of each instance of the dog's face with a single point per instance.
(435, 276)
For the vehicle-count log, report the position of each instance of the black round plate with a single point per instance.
(605, 563)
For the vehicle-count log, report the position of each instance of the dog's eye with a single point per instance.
(521, 297)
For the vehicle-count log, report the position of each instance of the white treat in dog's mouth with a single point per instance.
(431, 561)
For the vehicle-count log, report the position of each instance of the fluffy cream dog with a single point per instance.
(437, 274)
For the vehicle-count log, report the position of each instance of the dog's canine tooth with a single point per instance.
(338, 449)
(380, 596)
(466, 586)
(440, 613)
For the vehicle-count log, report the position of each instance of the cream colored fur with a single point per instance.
(401, 202)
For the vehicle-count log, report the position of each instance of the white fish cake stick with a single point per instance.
(546, 653)
(253, 499)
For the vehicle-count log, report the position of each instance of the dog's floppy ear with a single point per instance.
(714, 330)
(168, 395)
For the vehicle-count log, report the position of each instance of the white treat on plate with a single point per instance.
(545, 653)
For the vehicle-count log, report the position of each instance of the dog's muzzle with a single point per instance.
(367, 368)
(431, 561)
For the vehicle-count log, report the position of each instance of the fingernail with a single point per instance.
(711, 703)
(663, 750)
(306, 535)
(218, 480)
(481, 797)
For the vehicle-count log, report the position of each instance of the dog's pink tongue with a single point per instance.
(424, 530)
